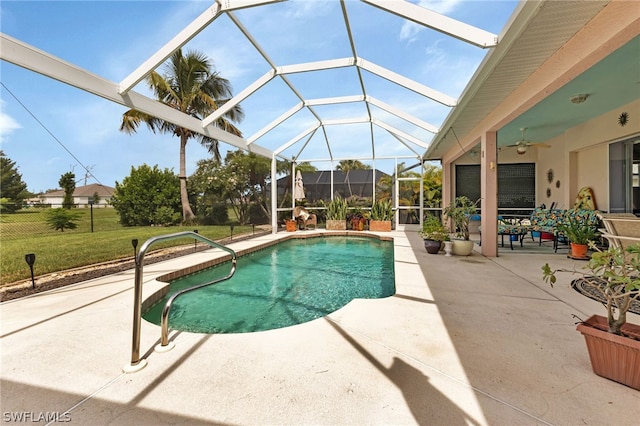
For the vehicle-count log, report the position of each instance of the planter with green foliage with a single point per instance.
(337, 214)
(381, 216)
(579, 234)
(434, 233)
(612, 343)
(459, 212)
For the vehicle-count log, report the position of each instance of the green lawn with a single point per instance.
(26, 232)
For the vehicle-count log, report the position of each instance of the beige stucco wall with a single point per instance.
(580, 157)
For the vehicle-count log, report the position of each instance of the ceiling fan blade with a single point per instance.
(539, 144)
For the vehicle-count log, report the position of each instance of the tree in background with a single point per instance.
(14, 190)
(148, 196)
(346, 165)
(207, 193)
(242, 182)
(191, 86)
(284, 168)
(68, 183)
(432, 185)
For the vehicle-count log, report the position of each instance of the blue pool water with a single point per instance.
(286, 284)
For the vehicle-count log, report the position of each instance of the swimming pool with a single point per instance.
(289, 283)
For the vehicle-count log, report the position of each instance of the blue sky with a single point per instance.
(112, 38)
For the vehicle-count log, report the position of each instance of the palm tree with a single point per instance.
(190, 86)
(346, 165)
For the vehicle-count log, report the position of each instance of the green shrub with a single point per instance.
(216, 215)
(382, 210)
(148, 196)
(61, 219)
(337, 209)
(257, 216)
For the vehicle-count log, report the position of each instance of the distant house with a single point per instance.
(317, 185)
(81, 196)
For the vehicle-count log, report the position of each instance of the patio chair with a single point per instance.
(304, 218)
(627, 228)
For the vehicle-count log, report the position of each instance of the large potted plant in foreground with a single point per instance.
(459, 212)
(337, 214)
(381, 215)
(612, 343)
(434, 234)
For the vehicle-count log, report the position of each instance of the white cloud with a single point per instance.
(410, 30)
(7, 124)
(303, 9)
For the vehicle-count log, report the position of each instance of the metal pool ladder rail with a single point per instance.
(136, 363)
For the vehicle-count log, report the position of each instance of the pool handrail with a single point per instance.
(164, 341)
(137, 292)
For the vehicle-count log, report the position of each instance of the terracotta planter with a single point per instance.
(579, 250)
(432, 246)
(380, 225)
(336, 225)
(462, 247)
(290, 225)
(357, 224)
(613, 357)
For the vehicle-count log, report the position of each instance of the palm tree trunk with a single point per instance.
(187, 213)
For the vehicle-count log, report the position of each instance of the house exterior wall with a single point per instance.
(580, 157)
(78, 201)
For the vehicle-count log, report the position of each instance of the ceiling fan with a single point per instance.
(523, 144)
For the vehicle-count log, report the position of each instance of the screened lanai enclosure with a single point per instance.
(353, 184)
(319, 81)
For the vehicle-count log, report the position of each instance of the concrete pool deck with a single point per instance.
(465, 340)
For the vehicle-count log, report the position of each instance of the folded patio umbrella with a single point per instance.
(298, 189)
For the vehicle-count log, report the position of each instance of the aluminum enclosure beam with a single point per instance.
(335, 100)
(316, 66)
(287, 69)
(407, 83)
(248, 91)
(401, 114)
(183, 37)
(400, 133)
(190, 31)
(438, 22)
(274, 123)
(28, 57)
(297, 138)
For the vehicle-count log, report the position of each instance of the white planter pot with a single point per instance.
(462, 247)
(447, 248)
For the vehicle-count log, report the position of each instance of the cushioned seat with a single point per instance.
(304, 218)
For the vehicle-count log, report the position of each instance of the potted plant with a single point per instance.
(381, 215)
(434, 234)
(459, 212)
(290, 225)
(337, 214)
(612, 343)
(579, 235)
(357, 219)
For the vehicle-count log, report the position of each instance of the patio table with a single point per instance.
(513, 228)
